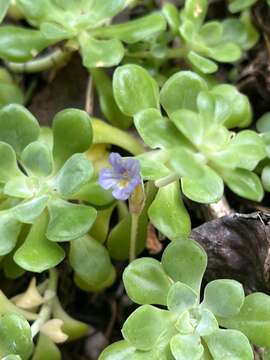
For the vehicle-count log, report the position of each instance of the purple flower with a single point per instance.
(123, 177)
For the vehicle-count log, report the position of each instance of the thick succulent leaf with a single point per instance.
(100, 53)
(213, 108)
(146, 282)
(46, 349)
(90, 260)
(68, 221)
(8, 166)
(241, 113)
(37, 253)
(250, 149)
(106, 99)
(28, 211)
(83, 285)
(229, 344)
(21, 187)
(239, 5)
(266, 178)
(207, 189)
(18, 127)
(244, 183)
(15, 336)
(75, 173)
(181, 91)
(224, 297)
(148, 164)
(172, 17)
(4, 5)
(253, 320)
(181, 297)
(168, 213)
(263, 124)
(227, 52)
(186, 262)
(134, 30)
(134, 89)
(9, 232)
(120, 350)
(186, 347)
(211, 32)
(207, 324)
(56, 32)
(195, 11)
(10, 92)
(76, 126)
(92, 193)
(37, 159)
(106, 9)
(20, 44)
(156, 130)
(201, 63)
(145, 325)
(190, 124)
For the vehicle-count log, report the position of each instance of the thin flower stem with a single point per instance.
(133, 236)
(166, 180)
(107, 134)
(46, 309)
(57, 58)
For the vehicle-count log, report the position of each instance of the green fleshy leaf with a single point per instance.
(100, 53)
(207, 189)
(190, 124)
(186, 347)
(27, 211)
(213, 108)
(4, 5)
(107, 102)
(181, 91)
(195, 11)
(266, 178)
(68, 221)
(9, 232)
(240, 5)
(227, 52)
(106, 9)
(207, 323)
(18, 127)
(90, 261)
(171, 14)
(168, 213)
(148, 163)
(37, 253)
(224, 297)
(21, 187)
(120, 350)
(181, 297)
(241, 113)
(46, 349)
(76, 126)
(144, 326)
(8, 166)
(101, 226)
(75, 173)
(230, 344)
(185, 162)
(253, 320)
(10, 92)
(263, 124)
(134, 89)
(37, 159)
(83, 285)
(186, 262)
(21, 44)
(55, 32)
(201, 63)
(156, 130)
(146, 282)
(135, 30)
(93, 194)
(244, 183)
(15, 336)
(211, 33)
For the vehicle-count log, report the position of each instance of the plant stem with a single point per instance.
(133, 236)
(166, 180)
(46, 309)
(107, 134)
(57, 58)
